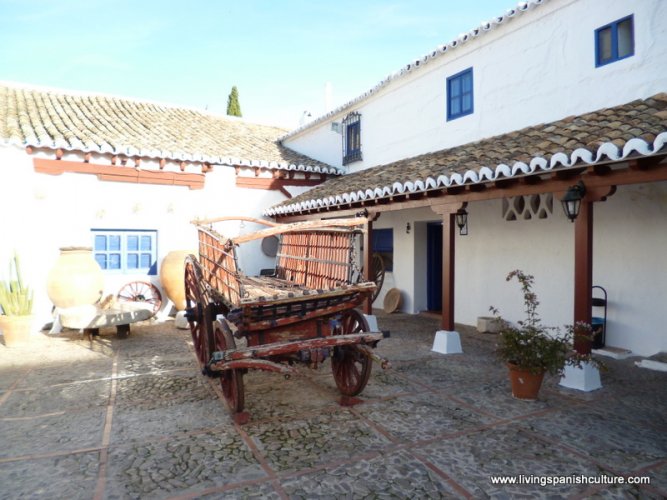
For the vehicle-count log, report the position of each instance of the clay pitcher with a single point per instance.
(172, 271)
(76, 279)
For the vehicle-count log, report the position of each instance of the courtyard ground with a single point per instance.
(133, 418)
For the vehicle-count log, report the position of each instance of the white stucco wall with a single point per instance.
(630, 240)
(537, 67)
(45, 212)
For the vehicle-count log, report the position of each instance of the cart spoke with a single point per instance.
(351, 369)
(231, 381)
(195, 308)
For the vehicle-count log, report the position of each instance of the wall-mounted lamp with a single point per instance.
(572, 200)
(462, 221)
(407, 228)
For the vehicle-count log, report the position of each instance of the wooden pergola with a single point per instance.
(600, 180)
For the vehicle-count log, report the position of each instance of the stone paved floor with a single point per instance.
(133, 418)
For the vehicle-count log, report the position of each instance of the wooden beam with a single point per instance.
(235, 217)
(119, 174)
(299, 226)
(273, 183)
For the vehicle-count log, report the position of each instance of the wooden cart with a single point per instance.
(301, 314)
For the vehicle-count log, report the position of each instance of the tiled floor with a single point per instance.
(133, 418)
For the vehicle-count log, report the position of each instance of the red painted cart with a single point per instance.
(304, 313)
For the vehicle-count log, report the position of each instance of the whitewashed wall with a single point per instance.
(42, 213)
(536, 68)
(630, 243)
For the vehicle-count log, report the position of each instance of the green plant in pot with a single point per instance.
(532, 349)
(16, 304)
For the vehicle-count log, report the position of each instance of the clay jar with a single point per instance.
(172, 271)
(76, 278)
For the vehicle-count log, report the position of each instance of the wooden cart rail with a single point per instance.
(278, 348)
(312, 255)
(264, 314)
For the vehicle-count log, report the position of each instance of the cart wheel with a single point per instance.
(377, 274)
(196, 311)
(141, 291)
(351, 368)
(231, 380)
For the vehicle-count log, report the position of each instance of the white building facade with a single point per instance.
(540, 63)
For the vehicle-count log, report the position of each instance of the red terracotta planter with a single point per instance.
(525, 385)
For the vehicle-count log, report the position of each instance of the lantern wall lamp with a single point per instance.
(572, 200)
(462, 221)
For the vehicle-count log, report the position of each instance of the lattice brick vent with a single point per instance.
(535, 206)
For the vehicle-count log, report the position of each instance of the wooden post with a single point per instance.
(583, 270)
(448, 271)
(448, 213)
(583, 261)
(368, 262)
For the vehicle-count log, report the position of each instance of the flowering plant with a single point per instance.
(532, 346)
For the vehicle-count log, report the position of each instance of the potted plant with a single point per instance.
(16, 304)
(532, 349)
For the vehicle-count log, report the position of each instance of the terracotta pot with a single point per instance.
(16, 329)
(525, 385)
(76, 279)
(172, 270)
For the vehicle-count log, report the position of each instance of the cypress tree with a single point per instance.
(233, 106)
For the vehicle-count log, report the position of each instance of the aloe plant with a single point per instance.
(15, 297)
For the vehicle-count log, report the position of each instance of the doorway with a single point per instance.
(434, 266)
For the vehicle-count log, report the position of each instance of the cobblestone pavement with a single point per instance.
(133, 418)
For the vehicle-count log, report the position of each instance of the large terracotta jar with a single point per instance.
(76, 279)
(172, 271)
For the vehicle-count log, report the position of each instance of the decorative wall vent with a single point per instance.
(535, 206)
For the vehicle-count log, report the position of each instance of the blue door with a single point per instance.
(434, 266)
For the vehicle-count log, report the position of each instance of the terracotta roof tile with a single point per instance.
(57, 119)
(636, 128)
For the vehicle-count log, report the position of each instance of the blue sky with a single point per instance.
(280, 54)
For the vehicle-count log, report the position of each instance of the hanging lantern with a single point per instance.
(572, 200)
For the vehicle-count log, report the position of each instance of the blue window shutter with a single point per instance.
(460, 98)
(614, 41)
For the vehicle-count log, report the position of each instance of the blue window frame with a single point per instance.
(615, 41)
(351, 138)
(126, 251)
(460, 95)
(382, 242)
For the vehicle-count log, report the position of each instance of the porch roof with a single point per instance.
(635, 129)
(56, 119)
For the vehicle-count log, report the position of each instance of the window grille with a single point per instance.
(351, 138)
